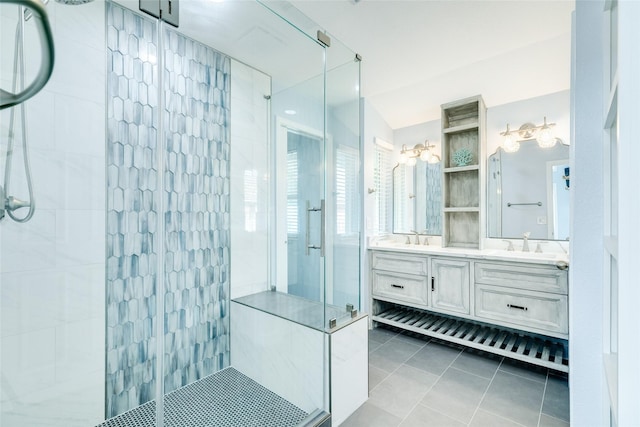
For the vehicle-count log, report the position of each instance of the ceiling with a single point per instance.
(419, 54)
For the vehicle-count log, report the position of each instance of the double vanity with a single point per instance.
(511, 303)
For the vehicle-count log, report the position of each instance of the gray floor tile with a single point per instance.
(376, 376)
(390, 355)
(434, 357)
(526, 370)
(514, 397)
(547, 421)
(373, 345)
(369, 415)
(487, 419)
(422, 416)
(478, 363)
(457, 394)
(413, 338)
(381, 335)
(556, 398)
(399, 393)
(408, 339)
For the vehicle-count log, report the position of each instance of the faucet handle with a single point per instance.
(510, 247)
(408, 241)
(539, 247)
(526, 234)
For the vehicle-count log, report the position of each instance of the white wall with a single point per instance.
(250, 154)
(587, 220)
(52, 268)
(373, 127)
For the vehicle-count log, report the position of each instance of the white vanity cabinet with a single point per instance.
(421, 281)
(518, 309)
(534, 298)
(450, 288)
(400, 278)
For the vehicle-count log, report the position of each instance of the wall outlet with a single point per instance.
(542, 220)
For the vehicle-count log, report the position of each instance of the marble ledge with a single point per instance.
(548, 258)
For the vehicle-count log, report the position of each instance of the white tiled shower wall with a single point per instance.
(249, 161)
(52, 268)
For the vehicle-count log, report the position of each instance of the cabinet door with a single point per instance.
(450, 285)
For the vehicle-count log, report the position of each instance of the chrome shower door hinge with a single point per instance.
(323, 38)
(165, 10)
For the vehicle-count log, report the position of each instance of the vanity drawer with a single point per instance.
(541, 278)
(389, 261)
(542, 311)
(401, 287)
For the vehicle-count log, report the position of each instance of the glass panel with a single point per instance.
(164, 257)
(52, 268)
(343, 182)
(133, 212)
(247, 321)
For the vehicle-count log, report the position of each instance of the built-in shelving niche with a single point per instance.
(463, 127)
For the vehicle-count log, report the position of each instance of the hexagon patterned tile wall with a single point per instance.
(190, 213)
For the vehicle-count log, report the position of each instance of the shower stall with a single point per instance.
(193, 258)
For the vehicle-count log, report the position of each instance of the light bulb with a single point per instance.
(509, 145)
(411, 161)
(402, 159)
(545, 138)
(425, 156)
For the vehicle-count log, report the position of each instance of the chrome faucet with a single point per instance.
(510, 245)
(525, 243)
(417, 242)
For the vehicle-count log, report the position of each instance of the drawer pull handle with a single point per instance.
(393, 285)
(433, 283)
(519, 307)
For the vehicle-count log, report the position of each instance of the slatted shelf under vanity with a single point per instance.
(543, 351)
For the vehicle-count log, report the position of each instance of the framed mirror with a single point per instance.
(417, 198)
(527, 191)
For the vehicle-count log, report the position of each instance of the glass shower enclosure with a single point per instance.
(197, 222)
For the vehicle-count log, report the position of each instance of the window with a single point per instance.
(347, 178)
(382, 181)
(292, 192)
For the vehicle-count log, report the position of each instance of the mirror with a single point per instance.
(528, 191)
(417, 198)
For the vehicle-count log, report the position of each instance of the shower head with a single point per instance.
(74, 2)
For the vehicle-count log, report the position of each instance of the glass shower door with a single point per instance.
(306, 212)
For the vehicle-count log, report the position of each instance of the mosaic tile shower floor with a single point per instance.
(225, 399)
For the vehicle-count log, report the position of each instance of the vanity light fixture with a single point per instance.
(509, 144)
(542, 134)
(423, 152)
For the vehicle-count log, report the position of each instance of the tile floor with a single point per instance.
(416, 381)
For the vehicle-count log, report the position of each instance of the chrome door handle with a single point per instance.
(308, 244)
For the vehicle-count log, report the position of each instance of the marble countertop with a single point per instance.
(549, 258)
